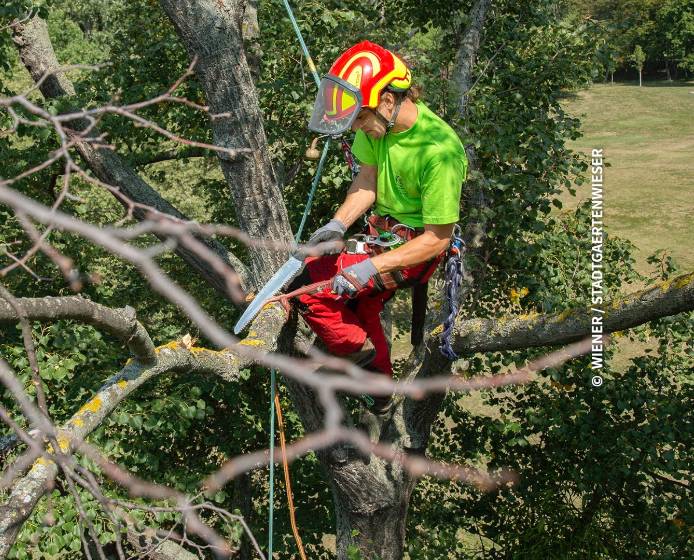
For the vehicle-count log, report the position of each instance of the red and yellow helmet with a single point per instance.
(356, 79)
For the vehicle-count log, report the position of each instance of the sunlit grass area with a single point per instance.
(647, 135)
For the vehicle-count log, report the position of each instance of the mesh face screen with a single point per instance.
(336, 107)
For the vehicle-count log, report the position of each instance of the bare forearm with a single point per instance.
(360, 197)
(412, 253)
(357, 202)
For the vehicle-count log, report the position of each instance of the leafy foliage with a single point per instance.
(596, 468)
(664, 29)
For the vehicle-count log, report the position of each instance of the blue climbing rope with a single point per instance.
(454, 277)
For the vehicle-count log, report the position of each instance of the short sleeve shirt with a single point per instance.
(420, 170)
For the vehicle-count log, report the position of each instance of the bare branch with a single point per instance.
(149, 159)
(173, 357)
(21, 316)
(36, 52)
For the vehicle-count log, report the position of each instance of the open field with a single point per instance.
(647, 135)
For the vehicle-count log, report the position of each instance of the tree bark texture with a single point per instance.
(212, 32)
(37, 55)
(371, 508)
(467, 54)
(534, 329)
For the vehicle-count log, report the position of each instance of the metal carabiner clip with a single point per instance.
(357, 244)
(377, 240)
(400, 226)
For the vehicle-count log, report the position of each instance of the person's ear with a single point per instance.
(388, 100)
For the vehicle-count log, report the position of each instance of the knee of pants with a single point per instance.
(335, 324)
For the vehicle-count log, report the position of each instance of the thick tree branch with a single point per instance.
(467, 54)
(38, 56)
(533, 330)
(149, 159)
(212, 32)
(173, 357)
(121, 323)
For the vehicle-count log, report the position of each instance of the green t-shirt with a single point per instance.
(420, 170)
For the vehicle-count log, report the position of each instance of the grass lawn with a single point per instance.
(647, 134)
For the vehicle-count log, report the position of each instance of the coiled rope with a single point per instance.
(454, 277)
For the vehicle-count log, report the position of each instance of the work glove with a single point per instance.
(354, 278)
(334, 230)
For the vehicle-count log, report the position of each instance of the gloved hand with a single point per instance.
(354, 278)
(334, 230)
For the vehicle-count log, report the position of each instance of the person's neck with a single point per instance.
(406, 117)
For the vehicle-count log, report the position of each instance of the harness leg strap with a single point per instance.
(420, 293)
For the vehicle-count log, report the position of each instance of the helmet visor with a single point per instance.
(336, 106)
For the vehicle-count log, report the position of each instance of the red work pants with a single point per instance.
(344, 324)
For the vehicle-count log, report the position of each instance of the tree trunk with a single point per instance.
(212, 33)
(371, 518)
(639, 78)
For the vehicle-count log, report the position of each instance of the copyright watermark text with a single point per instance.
(596, 265)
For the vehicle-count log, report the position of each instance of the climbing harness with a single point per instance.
(349, 158)
(454, 277)
(383, 281)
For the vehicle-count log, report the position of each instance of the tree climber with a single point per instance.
(412, 167)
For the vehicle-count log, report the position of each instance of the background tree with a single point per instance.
(514, 62)
(675, 21)
(663, 29)
(638, 57)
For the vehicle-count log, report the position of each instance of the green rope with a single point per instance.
(273, 373)
(271, 510)
(309, 60)
(314, 185)
(297, 236)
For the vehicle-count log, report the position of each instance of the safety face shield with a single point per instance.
(337, 104)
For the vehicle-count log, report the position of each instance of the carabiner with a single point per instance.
(400, 226)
